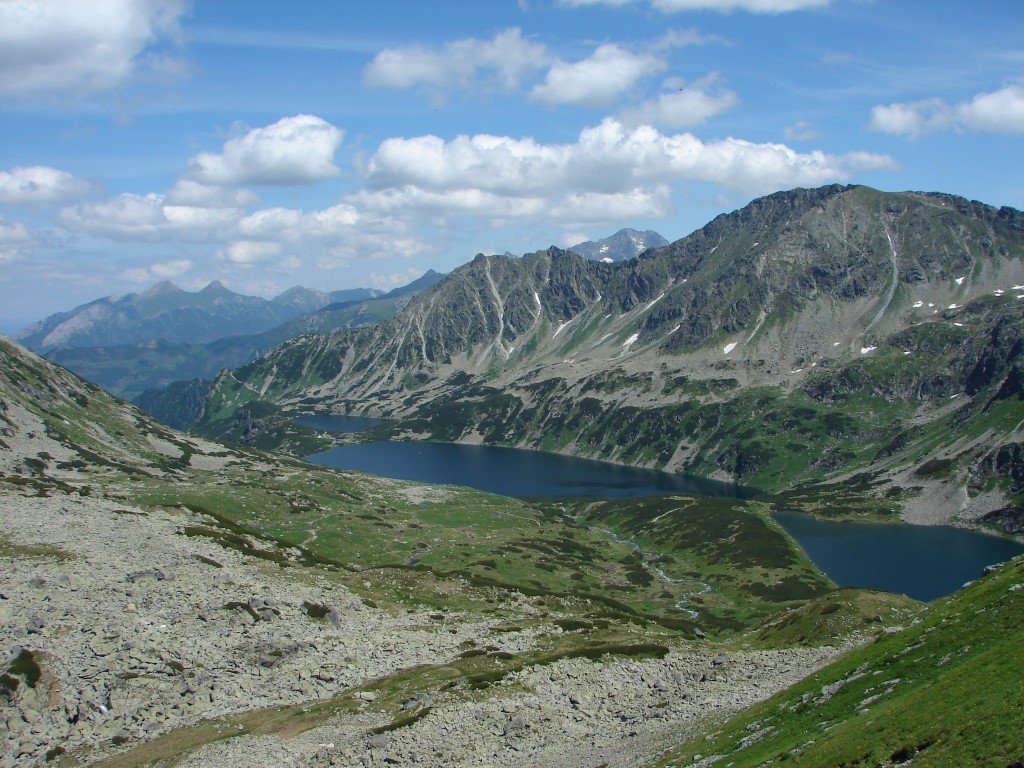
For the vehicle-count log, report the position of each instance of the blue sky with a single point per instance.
(340, 144)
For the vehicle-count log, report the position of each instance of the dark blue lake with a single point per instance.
(332, 423)
(924, 562)
(515, 472)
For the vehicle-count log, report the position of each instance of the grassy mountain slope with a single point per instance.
(62, 434)
(771, 347)
(946, 691)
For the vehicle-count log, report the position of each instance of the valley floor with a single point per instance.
(131, 642)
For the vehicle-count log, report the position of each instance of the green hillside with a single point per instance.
(947, 690)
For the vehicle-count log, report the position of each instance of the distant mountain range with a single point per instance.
(167, 312)
(624, 244)
(128, 369)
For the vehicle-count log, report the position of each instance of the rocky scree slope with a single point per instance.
(807, 337)
(138, 629)
(162, 593)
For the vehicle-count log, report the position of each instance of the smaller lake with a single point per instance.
(333, 423)
(922, 561)
(515, 472)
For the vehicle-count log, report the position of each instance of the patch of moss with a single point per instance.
(25, 667)
(402, 722)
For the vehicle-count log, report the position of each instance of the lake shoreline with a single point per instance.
(923, 561)
(347, 436)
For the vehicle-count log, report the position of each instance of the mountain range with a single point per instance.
(169, 599)
(841, 338)
(128, 369)
(167, 312)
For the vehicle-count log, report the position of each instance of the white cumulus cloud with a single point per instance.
(910, 118)
(70, 46)
(341, 231)
(147, 218)
(612, 172)
(1000, 111)
(34, 184)
(598, 79)
(293, 225)
(294, 150)
(507, 58)
(607, 158)
(188, 192)
(583, 207)
(680, 108)
(249, 252)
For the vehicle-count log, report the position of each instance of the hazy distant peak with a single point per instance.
(164, 286)
(300, 292)
(216, 286)
(421, 283)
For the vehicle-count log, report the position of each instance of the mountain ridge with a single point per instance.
(128, 370)
(756, 307)
(165, 310)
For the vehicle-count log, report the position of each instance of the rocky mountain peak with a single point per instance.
(161, 288)
(216, 287)
(625, 244)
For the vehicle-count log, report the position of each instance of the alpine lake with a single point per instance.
(923, 562)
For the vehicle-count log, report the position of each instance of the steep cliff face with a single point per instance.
(745, 350)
